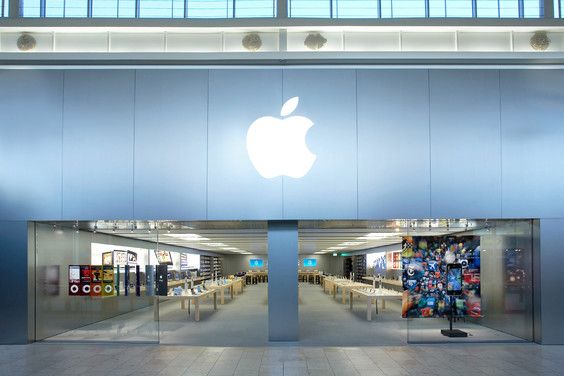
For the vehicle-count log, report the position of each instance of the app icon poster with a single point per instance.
(424, 261)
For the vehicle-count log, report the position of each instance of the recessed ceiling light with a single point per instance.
(337, 248)
(376, 236)
(187, 237)
(230, 248)
(215, 244)
(351, 243)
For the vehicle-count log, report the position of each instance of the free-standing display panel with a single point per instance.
(425, 261)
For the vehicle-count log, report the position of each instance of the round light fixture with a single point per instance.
(26, 42)
(252, 42)
(540, 41)
(315, 41)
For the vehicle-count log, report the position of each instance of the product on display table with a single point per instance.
(186, 296)
(372, 295)
(345, 285)
(230, 284)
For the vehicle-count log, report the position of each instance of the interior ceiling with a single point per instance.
(250, 237)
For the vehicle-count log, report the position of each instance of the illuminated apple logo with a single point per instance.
(278, 146)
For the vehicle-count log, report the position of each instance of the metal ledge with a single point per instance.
(286, 59)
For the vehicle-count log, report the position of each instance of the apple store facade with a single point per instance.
(281, 153)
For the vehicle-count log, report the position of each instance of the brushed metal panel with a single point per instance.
(98, 144)
(551, 259)
(171, 144)
(13, 279)
(235, 188)
(532, 134)
(329, 190)
(393, 144)
(30, 144)
(465, 144)
(283, 318)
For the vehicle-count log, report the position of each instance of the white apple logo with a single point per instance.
(278, 146)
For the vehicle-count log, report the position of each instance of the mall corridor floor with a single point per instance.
(143, 360)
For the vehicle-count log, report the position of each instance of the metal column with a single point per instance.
(283, 320)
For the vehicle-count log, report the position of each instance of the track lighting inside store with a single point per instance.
(188, 237)
(351, 243)
(376, 236)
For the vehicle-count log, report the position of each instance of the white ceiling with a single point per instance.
(250, 237)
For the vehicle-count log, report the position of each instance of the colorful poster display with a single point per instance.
(425, 261)
(91, 280)
(393, 260)
(96, 280)
(108, 258)
(107, 280)
(74, 280)
(377, 261)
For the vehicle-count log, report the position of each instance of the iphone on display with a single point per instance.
(454, 279)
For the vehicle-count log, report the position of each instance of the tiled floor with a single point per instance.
(324, 321)
(141, 360)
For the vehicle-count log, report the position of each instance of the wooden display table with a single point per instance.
(372, 296)
(345, 285)
(183, 299)
(238, 285)
(229, 285)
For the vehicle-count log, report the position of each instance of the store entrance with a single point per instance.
(206, 282)
(387, 282)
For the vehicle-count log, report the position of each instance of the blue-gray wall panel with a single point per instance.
(329, 190)
(13, 279)
(393, 144)
(171, 144)
(283, 318)
(30, 144)
(465, 144)
(235, 188)
(98, 144)
(551, 261)
(533, 143)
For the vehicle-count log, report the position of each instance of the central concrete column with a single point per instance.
(283, 321)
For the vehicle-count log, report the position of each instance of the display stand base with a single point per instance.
(453, 333)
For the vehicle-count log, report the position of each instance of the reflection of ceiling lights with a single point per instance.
(230, 249)
(215, 244)
(187, 237)
(376, 236)
(337, 248)
(351, 243)
(319, 253)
